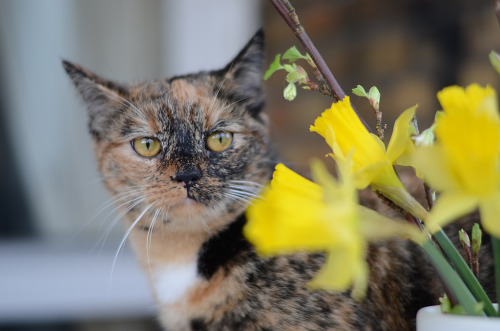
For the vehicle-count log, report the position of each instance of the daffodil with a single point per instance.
(464, 163)
(295, 214)
(372, 163)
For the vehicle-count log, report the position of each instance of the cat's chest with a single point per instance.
(183, 294)
(173, 281)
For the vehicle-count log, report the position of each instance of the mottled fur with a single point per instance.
(174, 226)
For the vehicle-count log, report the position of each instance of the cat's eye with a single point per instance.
(147, 147)
(219, 141)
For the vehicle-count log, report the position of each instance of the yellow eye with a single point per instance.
(219, 141)
(147, 147)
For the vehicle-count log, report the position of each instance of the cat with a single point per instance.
(187, 154)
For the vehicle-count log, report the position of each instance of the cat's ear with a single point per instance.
(102, 97)
(242, 79)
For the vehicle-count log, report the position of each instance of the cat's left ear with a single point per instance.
(102, 97)
(242, 78)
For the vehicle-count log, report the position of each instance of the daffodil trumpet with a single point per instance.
(372, 164)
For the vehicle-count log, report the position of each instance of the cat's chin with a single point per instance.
(187, 209)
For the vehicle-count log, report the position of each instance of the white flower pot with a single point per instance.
(431, 319)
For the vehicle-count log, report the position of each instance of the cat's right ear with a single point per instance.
(101, 96)
(242, 79)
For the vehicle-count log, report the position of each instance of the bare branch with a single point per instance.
(286, 10)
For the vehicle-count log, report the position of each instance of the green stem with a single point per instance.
(496, 255)
(455, 284)
(464, 271)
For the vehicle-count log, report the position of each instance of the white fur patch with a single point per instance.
(172, 281)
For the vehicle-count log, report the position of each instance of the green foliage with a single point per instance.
(373, 95)
(275, 66)
(293, 54)
(295, 73)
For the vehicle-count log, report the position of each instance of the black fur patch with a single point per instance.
(222, 248)
(198, 324)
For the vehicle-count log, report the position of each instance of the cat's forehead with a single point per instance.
(184, 99)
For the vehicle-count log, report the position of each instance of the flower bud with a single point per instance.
(290, 92)
(476, 238)
(464, 238)
(495, 60)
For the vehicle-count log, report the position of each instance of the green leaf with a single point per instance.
(275, 66)
(465, 273)
(360, 91)
(293, 54)
(495, 60)
(290, 67)
(450, 277)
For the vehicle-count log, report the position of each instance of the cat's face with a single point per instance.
(191, 148)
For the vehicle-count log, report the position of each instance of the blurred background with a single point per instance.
(57, 239)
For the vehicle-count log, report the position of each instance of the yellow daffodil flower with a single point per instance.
(464, 163)
(295, 214)
(372, 164)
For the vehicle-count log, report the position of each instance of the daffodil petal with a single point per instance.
(375, 226)
(490, 211)
(378, 141)
(449, 207)
(401, 142)
(343, 268)
(473, 97)
(429, 163)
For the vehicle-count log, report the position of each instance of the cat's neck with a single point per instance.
(170, 243)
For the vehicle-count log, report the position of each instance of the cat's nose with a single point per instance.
(188, 178)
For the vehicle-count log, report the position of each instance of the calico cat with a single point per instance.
(188, 153)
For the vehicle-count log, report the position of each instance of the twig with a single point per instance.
(286, 10)
(497, 10)
(475, 265)
(378, 126)
(429, 193)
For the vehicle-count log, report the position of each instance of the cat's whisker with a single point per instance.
(236, 198)
(246, 182)
(122, 243)
(164, 221)
(149, 237)
(234, 103)
(218, 90)
(112, 224)
(222, 207)
(110, 202)
(205, 224)
(134, 202)
(244, 193)
(252, 190)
